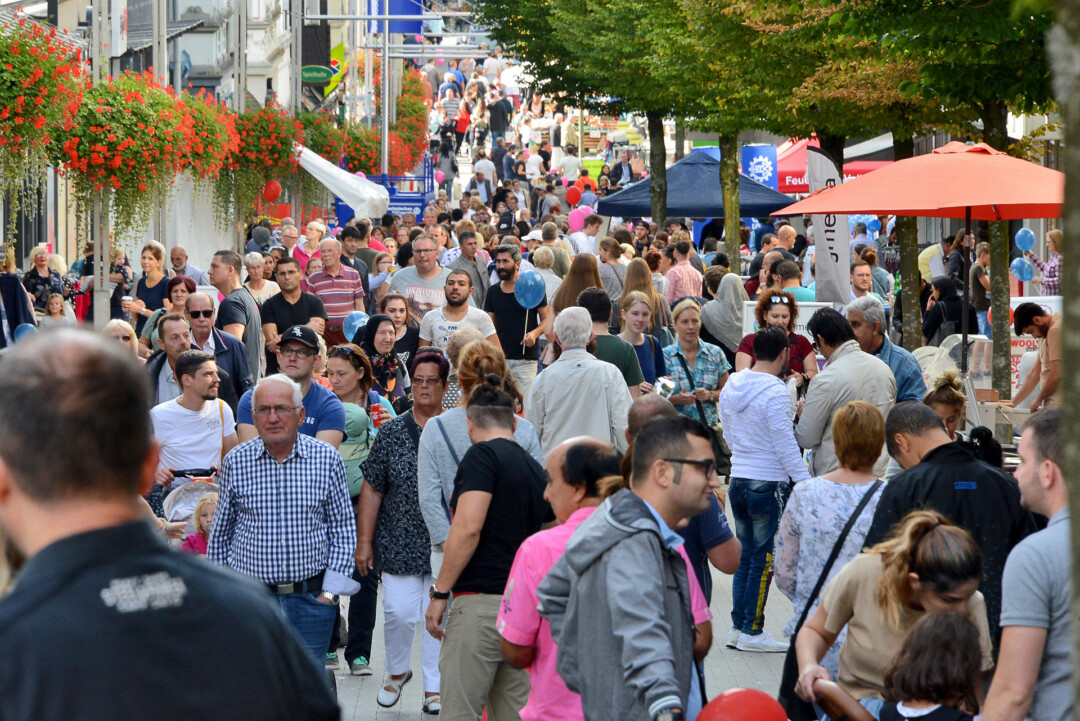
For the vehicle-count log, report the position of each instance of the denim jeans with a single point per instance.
(756, 506)
(313, 620)
(984, 322)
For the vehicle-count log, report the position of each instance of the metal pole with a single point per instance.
(178, 81)
(296, 11)
(384, 83)
(241, 58)
(98, 235)
(967, 296)
(160, 59)
(425, 16)
(351, 102)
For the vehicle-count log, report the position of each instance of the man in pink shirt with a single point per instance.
(575, 468)
(683, 279)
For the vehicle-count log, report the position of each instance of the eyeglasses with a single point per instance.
(782, 299)
(201, 313)
(296, 352)
(422, 382)
(280, 411)
(425, 251)
(707, 467)
(122, 338)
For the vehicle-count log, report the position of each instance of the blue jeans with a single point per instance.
(756, 506)
(984, 322)
(313, 620)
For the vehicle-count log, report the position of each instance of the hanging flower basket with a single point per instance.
(323, 136)
(266, 137)
(210, 136)
(126, 144)
(408, 134)
(40, 91)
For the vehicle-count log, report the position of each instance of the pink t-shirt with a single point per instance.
(520, 623)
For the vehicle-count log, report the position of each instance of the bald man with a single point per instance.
(178, 258)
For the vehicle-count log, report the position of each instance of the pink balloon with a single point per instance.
(439, 176)
(565, 182)
(577, 218)
(360, 174)
(438, 61)
(645, 174)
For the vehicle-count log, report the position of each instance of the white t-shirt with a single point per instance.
(191, 439)
(585, 243)
(436, 328)
(571, 167)
(532, 166)
(487, 167)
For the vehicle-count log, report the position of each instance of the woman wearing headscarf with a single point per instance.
(721, 318)
(390, 380)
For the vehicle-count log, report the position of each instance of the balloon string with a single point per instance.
(526, 330)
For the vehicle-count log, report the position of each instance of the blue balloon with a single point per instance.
(24, 331)
(530, 289)
(1022, 269)
(874, 226)
(354, 322)
(1025, 239)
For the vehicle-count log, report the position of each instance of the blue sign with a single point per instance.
(759, 163)
(397, 7)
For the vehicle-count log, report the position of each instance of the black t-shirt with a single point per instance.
(285, 315)
(499, 114)
(406, 345)
(512, 322)
(516, 483)
(239, 306)
(154, 634)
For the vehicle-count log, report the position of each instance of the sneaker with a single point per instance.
(761, 643)
(359, 666)
(733, 637)
(332, 660)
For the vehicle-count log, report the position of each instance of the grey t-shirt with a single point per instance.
(423, 294)
(1035, 592)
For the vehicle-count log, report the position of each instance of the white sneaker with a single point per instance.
(733, 637)
(761, 643)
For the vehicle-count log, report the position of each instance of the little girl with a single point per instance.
(935, 676)
(54, 312)
(203, 518)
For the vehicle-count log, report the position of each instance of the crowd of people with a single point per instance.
(536, 485)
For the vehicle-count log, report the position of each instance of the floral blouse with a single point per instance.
(815, 514)
(709, 367)
(402, 545)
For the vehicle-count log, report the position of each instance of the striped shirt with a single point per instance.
(338, 293)
(286, 522)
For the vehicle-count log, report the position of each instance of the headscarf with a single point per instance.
(384, 366)
(723, 315)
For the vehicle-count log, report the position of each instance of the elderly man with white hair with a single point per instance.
(578, 395)
(867, 318)
(265, 526)
(340, 289)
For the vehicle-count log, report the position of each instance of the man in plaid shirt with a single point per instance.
(284, 515)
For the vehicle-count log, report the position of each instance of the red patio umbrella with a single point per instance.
(955, 181)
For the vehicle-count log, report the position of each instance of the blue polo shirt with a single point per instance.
(322, 411)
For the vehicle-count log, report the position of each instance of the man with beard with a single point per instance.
(422, 283)
(474, 265)
(197, 429)
(518, 328)
(439, 324)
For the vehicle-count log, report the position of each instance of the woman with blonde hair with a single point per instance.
(152, 288)
(445, 438)
(639, 279)
(1051, 267)
(458, 340)
(313, 235)
(926, 565)
(584, 273)
(612, 272)
(635, 314)
(945, 395)
(120, 330)
(699, 369)
(41, 281)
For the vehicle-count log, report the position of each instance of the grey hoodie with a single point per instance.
(618, 601)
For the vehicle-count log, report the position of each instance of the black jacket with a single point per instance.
(972, 494)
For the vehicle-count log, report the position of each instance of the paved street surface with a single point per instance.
(724, 668)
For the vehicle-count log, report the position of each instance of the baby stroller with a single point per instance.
(179, 505)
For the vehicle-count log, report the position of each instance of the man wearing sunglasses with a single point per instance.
(229, 353)
(622, 571)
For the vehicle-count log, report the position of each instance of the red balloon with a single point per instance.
(743, 704)
(271, 191)
(573, 195)
(990, 316)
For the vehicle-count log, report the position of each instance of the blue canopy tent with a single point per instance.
(694, 192)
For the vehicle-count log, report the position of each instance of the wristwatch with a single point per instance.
(669, 714)
(436, 595)
(331, 597)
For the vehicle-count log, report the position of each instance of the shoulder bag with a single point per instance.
(721, 450)
(796, 708)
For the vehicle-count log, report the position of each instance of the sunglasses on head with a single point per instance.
(201, 313)
(780, 299)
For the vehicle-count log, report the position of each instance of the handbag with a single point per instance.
(721, 450)
(796, 708)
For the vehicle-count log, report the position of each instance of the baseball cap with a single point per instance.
(301, 334)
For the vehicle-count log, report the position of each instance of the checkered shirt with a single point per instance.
(1051, 273)
(286, 522)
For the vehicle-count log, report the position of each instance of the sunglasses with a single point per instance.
(201, 313)
(783, 300)
(707, 467)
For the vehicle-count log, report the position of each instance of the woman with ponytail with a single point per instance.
(926, 565)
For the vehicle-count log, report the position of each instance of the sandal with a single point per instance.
(391, 692)
(433, 705)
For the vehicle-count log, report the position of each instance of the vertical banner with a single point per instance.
(758, 162)
(397, 8)
(833, 255)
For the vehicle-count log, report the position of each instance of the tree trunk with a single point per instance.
(729, 187)
(657, 165)
(907, 231)
(994, 117)
(834, 146)
(680, 140)
(1063, 43)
